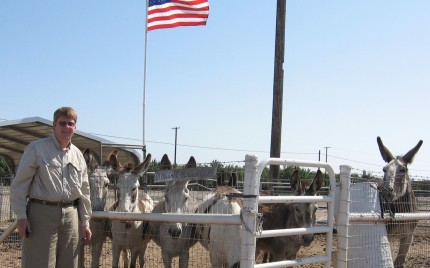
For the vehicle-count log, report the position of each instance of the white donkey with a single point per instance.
(130, 235)
(222, 241)
(175, 239)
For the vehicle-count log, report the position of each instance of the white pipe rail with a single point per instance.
(169, 217)
(293, 231)
(376, 217)
(293, 199)
(290, 263)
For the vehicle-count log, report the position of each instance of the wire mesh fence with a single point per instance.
(418, 255)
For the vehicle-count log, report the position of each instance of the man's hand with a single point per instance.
(24, 227)
(86, 234)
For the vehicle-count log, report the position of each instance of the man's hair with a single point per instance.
(68, 112)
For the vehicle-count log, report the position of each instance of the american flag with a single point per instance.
(174, 13)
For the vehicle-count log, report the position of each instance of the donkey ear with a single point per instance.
(191, 163)
(409, 156)
(142, 167)
(316, 183)
(295, 183)
(385, 153)
(233, 180)
(165, 163)
(87, 156)
(91, 159)
(113, 160)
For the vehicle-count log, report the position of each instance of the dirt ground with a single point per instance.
(10, 253)
(419, 253)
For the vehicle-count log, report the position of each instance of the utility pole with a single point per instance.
(176, 142)
(326, 149)
(278, 84)
(326, 154)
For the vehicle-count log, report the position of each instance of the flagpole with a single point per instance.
(144, 82)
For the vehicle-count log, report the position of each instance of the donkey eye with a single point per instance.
(384, 169)
(403, 169)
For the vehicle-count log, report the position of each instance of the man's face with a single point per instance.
(64, 128)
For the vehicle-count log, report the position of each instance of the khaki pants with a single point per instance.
(54, 240)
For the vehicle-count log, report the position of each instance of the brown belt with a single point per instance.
(58, 204)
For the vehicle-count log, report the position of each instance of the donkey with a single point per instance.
(227, 179)
(294, 215)
(398, 197)
(130, 235)
(175, 239)
(98, 180)
(222, 241)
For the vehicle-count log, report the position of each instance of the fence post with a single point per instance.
(4, 202)
(249, 212)
(342, 218)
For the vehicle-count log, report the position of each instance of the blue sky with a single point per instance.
(354, 70)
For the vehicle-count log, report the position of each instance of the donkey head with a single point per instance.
(396, 180)
(303, 215)
(98, 180)
(127, 186)
(176, 196)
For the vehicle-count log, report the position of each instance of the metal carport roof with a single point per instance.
(15, 135)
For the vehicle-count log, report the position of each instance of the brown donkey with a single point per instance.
(398, 197)
(295, 215)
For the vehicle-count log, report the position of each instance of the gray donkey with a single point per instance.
(175, 239)
(398, 197)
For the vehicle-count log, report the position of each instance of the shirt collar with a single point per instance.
(57, 144)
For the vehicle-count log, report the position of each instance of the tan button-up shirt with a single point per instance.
(48, 173)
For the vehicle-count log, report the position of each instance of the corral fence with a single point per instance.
(339, 217)
(362, 239)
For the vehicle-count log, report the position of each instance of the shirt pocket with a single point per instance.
(52, 167)
(75, 176)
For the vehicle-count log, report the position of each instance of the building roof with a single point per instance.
(15, 135)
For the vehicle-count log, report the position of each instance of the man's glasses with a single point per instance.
(64, 123)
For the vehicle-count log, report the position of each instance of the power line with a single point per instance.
(247, 150)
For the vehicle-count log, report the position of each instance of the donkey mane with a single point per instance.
(232, 194)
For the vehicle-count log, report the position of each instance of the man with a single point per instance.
(50, 194)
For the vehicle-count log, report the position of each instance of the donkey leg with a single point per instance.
(216, 261)
(81, 258)
(133, 260)
(184, 257)
(405, 243)
(96, 251)
(142, 253)
(265, 257)
(116, 251)
(167, 259)
(125, 257)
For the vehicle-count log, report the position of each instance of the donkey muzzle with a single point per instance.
(307, 239)
(175, 233)
(387, 193)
